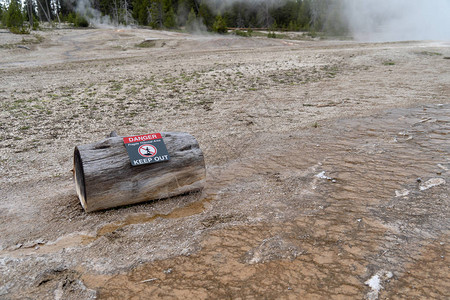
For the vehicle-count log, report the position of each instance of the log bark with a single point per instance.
(104, 177)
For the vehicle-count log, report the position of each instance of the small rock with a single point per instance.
(401, 193)
(375, 283)
(442, 167)
(431, 183)
(149, 280)
(322, 175)
(23, 47)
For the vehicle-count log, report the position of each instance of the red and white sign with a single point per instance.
(142, 138)
(147, 150)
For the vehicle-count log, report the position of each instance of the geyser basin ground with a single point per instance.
(327, 164)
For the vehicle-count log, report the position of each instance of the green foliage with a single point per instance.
(247, 33)
(285, 14)
(182, 10)
(292, 15)
(312, 34)
(271, 35)
(19, 30)
(35, 23)
(274, 26)
(81, 21)
(71, 18)
(1, 12)
(147, 44)
(335, 23)
(191, 21)
(140, 12)
(13, 18)
(156, 14)
(219, 25)
(304, 15)
(430, 53)
(207, 16)
(293, 26)
(170, 19)
(77, 20)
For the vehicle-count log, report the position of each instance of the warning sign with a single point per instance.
(146, 149)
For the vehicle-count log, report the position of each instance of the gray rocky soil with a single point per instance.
(327, 167)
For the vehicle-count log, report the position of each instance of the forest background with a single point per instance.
(191, 15)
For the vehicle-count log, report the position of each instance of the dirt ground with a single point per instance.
(327, 167)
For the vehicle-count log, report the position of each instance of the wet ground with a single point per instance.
(327, 170)
(356, 209)
(361, 208)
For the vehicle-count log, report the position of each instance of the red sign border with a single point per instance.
(142, 138)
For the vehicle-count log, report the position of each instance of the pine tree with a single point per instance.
(191, 20)
(239, 21)
(293, 26)
(1, 13)
(219, 25)
(206, 15)
(13, 16)
(170, 19)
(304, 15)
(194, 14)
(140, 12)
(157, 14)
(182, 11)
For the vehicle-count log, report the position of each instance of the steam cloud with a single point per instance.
(95, 17)
(84, 8)
(398, 20)
(367, 20)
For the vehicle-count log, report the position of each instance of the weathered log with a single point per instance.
(104, 177)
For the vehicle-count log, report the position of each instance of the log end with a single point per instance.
(79, 178)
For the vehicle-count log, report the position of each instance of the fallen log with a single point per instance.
(104, 177)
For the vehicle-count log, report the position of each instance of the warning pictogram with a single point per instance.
(147, 150)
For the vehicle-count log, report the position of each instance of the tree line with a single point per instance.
(212, 15)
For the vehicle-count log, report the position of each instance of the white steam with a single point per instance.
(119, 15)
(84, 8)
(398, 20)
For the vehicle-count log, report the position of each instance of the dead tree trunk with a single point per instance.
(104, 177)
(30, 13)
